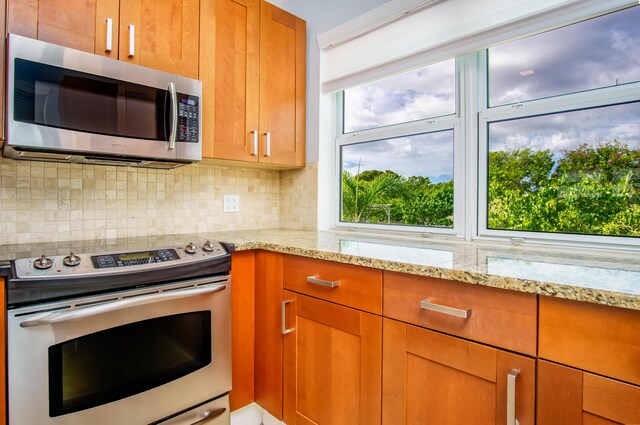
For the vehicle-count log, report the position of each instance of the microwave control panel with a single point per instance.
(188, 119)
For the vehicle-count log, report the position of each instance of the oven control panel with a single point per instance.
(133, 258)
(81, 265)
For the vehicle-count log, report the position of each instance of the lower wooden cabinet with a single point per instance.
(3, 359)
(570, 396)
(433, 379)
(332, 363)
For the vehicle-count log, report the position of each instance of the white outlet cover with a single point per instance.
(231, 203)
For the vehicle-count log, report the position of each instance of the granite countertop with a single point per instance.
(603, 277)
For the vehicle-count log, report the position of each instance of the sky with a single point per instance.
(422, 93)
(604, 51)
(591, 54)
(429, 154)
(567, 130)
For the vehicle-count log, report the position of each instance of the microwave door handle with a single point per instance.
(63, 316)
(174, 116)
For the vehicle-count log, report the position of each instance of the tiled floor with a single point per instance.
(253, 415)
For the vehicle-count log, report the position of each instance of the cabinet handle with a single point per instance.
(268, 151)
(425, 304)
(511, 397)
(254, 150)
(109, 45)
(327, 283)
(132, 40)
(284, 318)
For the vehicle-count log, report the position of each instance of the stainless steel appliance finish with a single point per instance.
(91, 109)
(215, 412)
(144, 338)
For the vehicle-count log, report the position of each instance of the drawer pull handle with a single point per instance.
(511, 397)
(327, 283)
(284, 318)
(425, 304)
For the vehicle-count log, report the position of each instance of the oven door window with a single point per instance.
(119, 362)
(63, 98)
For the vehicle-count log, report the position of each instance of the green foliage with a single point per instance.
(588, 190)
(592, 190)
(375, 196)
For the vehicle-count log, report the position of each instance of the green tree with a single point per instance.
(592, 190)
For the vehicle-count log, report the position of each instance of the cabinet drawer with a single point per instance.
(497, 317)
(354, 286)
(592, 337)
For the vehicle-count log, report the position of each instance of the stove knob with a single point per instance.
(191, 248)
(71, 260)
(43, 263)
(208, 246)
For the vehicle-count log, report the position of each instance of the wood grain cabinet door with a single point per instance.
(570, 396)
(332, 363)
(165, 37)
(229, 70)
(434, 379)
(282, 87)
(79, 24)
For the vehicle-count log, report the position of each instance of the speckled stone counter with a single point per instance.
(603, 277)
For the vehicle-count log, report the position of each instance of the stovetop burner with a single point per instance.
(40, 279)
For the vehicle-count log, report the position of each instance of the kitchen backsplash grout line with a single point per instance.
(50, 202)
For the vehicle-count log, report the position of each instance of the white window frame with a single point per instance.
(470, 124)
(427, 125)
(607, 96)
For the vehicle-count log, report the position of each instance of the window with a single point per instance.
(410, 96)
(565, 157)
(397, 150)
(536, 138)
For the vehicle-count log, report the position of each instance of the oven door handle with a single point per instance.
(108, 307)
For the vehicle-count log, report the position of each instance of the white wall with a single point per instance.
(321, 16)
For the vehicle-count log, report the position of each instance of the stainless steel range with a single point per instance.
(126, 338)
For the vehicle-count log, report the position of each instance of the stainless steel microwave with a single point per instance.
(73, 106)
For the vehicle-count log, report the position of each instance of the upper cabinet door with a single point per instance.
(66, 23)
(282, 87)
(229, 69)
(161, 34)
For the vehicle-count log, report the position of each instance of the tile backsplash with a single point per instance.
(50, 202)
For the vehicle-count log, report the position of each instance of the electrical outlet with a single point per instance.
(231, 203)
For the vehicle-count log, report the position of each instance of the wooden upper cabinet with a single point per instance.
(66, 22)
(282, 87)
(252, 66)
(165, 32)
(434, 379)
(229, 69)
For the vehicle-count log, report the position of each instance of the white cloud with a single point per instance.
(417, 94)
(429, 155)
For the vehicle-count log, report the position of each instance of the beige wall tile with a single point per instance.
(49, 202)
